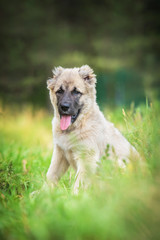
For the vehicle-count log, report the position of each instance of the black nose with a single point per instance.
(65, 107)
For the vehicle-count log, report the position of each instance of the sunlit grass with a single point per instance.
(27, 124)
(119, 205)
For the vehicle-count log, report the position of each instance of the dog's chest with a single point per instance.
(65, 143)
(62, 140)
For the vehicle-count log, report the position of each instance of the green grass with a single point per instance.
(119, 205)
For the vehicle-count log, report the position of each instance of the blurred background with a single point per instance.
(118, 39)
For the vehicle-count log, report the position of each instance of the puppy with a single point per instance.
(80, 131)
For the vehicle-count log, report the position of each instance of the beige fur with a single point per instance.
(83, 144)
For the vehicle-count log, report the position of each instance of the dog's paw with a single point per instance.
(34, 194)
(47, 186)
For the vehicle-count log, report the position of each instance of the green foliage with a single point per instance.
(119, 204)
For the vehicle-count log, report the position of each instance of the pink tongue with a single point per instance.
(65, 122)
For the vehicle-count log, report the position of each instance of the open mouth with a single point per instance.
(67, 120)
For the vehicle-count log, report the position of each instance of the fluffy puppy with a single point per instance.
(80, 131)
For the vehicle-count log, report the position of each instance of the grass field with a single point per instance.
(119, 205)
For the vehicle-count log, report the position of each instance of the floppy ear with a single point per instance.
(87, 74)
(56, 73)
(51, 83)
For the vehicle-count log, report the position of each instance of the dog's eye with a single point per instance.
(60, 91)
(76, 92)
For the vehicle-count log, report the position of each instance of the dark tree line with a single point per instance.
(107, 34)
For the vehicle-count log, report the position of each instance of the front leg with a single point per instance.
(86, 167)
(58, 166)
